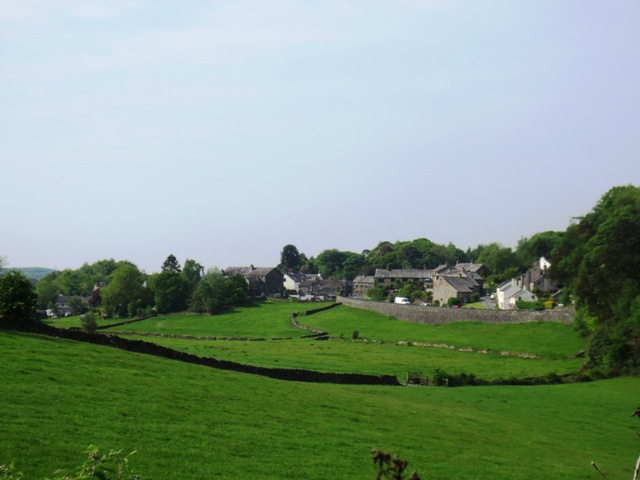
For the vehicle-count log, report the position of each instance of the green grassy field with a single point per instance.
(194, 422)
(549, 339)
(189, 421)
(371, 358)
(263, 320)
(378, 351)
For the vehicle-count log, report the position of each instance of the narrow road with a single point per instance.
(488, 303)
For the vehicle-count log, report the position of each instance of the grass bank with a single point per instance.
(58, 396)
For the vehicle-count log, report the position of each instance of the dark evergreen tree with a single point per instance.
(290, 258)
(171, 264)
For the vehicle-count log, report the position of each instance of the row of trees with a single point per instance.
(125, 290)
(504, 262)
(598, 261)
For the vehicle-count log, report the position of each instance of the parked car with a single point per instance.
(402, 301)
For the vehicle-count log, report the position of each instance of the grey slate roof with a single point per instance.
(470, 267)
(248, 271)
(301, 277)
(402, 273)
(364, 279)
(461, 284)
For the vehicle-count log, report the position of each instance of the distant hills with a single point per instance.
(32, 273)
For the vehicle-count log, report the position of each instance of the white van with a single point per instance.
(402, 300)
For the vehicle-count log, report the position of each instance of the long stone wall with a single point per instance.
(438, 315)
(138, 346)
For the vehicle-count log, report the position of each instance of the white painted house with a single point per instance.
(510, 292)
(292, 281)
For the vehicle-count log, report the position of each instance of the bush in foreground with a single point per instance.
(100, 465)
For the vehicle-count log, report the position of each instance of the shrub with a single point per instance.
(522, 305)
(585, 324)
(89, 322)
(355, 334)
(440, 378)
(453, 301)
(390, 466)
(104, 466)
(417, 295)
(98, 465)
(8, 472)
(377, 294)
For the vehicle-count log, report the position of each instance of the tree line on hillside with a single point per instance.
(121, 289)
(126, 291)
(596, 260)
(503, 262)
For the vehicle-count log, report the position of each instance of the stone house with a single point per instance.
(328, 289)
(459, 286)
(362, 284)
(387, 278)
(475, 271)
(68, 304)
(262, 281)
(471, 273)
(537, 277)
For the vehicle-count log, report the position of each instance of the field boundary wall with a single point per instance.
(138, 346)
(440, 315)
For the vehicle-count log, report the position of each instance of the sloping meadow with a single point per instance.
(188, 421)
(191, 421)
(361, 341)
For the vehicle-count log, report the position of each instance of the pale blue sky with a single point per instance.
(222, 131)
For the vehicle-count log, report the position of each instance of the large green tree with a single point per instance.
(80, 282)
(354, 265)
(215, 292)
(598, 260)
(17, 298)
(126, 292)
(541, 244)
(330, 263)
(208, 295)
(291, 258)
(502, 261)
(47, 290)
(192, 273)
(170, 291)
(384, 255)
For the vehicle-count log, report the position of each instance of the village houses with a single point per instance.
(262, 281)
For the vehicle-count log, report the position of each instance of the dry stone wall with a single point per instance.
(438, 315)
(138, 346)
